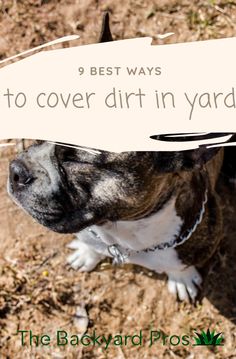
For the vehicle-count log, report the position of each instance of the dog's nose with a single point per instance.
(20, 176)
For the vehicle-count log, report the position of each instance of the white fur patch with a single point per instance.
(160, 227)
(106, 188)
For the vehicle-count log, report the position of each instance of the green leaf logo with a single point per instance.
(208, 338)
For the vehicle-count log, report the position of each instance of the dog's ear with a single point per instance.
(105, 35)
(198, 157)
(175, 161)
(183, 160)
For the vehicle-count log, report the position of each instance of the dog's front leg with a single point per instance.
(85, 257)
(182, 281)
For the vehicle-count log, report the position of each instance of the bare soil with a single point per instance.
(37, 290)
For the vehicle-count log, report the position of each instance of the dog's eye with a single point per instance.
(68, 155)
(73, 155)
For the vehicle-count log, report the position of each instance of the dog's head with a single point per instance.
(67, 189)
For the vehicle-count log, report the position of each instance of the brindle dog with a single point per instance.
(156, 209)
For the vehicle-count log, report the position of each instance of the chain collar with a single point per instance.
(120, 254)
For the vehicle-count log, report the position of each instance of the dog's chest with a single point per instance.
(160, 227)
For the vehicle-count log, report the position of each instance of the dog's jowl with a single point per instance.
(159, 210)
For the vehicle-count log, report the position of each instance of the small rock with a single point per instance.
(81, 320)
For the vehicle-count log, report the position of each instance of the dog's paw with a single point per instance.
(184, 284)
(84, 258)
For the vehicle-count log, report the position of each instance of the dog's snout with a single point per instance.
(20, 176)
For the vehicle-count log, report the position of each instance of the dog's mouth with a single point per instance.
(49, 216)
(70, 222)
(58, 220)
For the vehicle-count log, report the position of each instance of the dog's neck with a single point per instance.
(171, 225)
(143, 233)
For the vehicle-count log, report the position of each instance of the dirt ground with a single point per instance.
(37, 290)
